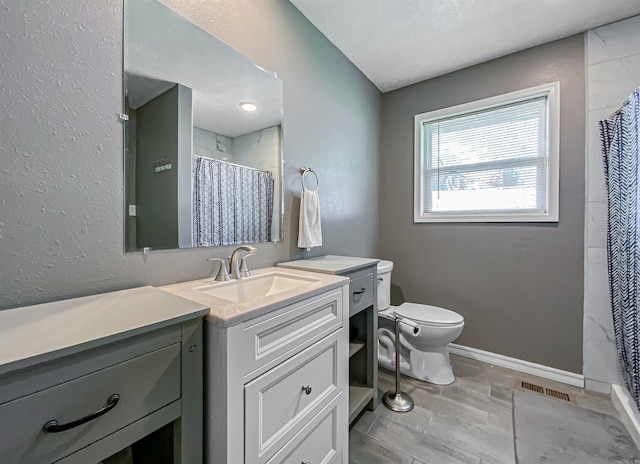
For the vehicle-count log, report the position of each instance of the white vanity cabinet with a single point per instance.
(82, 379)
(363, 323)
(276, 388)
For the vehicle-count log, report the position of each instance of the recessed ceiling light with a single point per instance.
(248, 106)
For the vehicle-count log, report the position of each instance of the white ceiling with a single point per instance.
(399, 42)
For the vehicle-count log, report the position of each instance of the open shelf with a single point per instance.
(354, 347)
(358, 399)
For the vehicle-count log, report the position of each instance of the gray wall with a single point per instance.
(130, 136)
(163, 130)
(158, 125)
(518, 286)
(61, 180)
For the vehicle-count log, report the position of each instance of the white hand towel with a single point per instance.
(309, 231)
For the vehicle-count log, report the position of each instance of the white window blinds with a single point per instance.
(490, 160)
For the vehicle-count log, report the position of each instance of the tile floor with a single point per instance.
(468, 421)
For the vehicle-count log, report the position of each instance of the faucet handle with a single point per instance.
(244, 270)
(223, 273)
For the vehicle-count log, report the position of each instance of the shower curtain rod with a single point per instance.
(229, 163)
(624, 103)
(619, 110)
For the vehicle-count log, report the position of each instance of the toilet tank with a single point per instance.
(384, 284)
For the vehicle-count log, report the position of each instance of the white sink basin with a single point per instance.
(249, 289)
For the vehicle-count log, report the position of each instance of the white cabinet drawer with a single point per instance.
(273, 337)
(144, 384)
(321, 441)
(276, 403)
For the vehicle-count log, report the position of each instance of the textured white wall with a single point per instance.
(61, 176)
(613, 71)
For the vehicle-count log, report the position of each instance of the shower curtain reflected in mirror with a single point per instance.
(232, 204)
(619, 136)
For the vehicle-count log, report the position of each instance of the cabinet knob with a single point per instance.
(306, 389)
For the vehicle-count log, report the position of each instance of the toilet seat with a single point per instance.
(428, 315)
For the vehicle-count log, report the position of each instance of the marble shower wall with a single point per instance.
(613, 72)
(212, 145)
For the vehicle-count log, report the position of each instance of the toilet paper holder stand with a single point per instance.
(398, 400)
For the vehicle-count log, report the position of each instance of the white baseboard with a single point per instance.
(597, 386)
(519, 365)
(626, 407)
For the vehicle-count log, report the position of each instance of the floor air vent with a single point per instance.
(532, 386)
(545, 391)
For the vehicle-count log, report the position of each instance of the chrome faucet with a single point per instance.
(236, 272)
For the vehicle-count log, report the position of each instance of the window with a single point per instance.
(494, 160)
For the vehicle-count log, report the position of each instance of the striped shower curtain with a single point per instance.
(231, 204)
(619, 137)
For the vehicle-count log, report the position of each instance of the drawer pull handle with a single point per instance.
(53, 427)
(306, 462)
(307, 389)
(362, 290)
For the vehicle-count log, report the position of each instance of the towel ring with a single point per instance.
(304, 171)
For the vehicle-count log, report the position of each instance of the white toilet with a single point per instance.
(423, 337)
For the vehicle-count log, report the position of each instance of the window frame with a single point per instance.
(551, 92)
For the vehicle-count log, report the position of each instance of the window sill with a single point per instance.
(488, 217)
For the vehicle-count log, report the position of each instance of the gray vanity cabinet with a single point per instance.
(103, 389)
(363, 323)
(363, 349)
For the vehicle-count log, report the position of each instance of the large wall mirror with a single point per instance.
(203, 139)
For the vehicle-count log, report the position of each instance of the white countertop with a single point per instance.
(227, 313)
(330, 264)
(34, 334)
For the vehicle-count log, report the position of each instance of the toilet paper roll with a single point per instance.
(414, 329)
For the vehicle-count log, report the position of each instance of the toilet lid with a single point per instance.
(428, 314)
